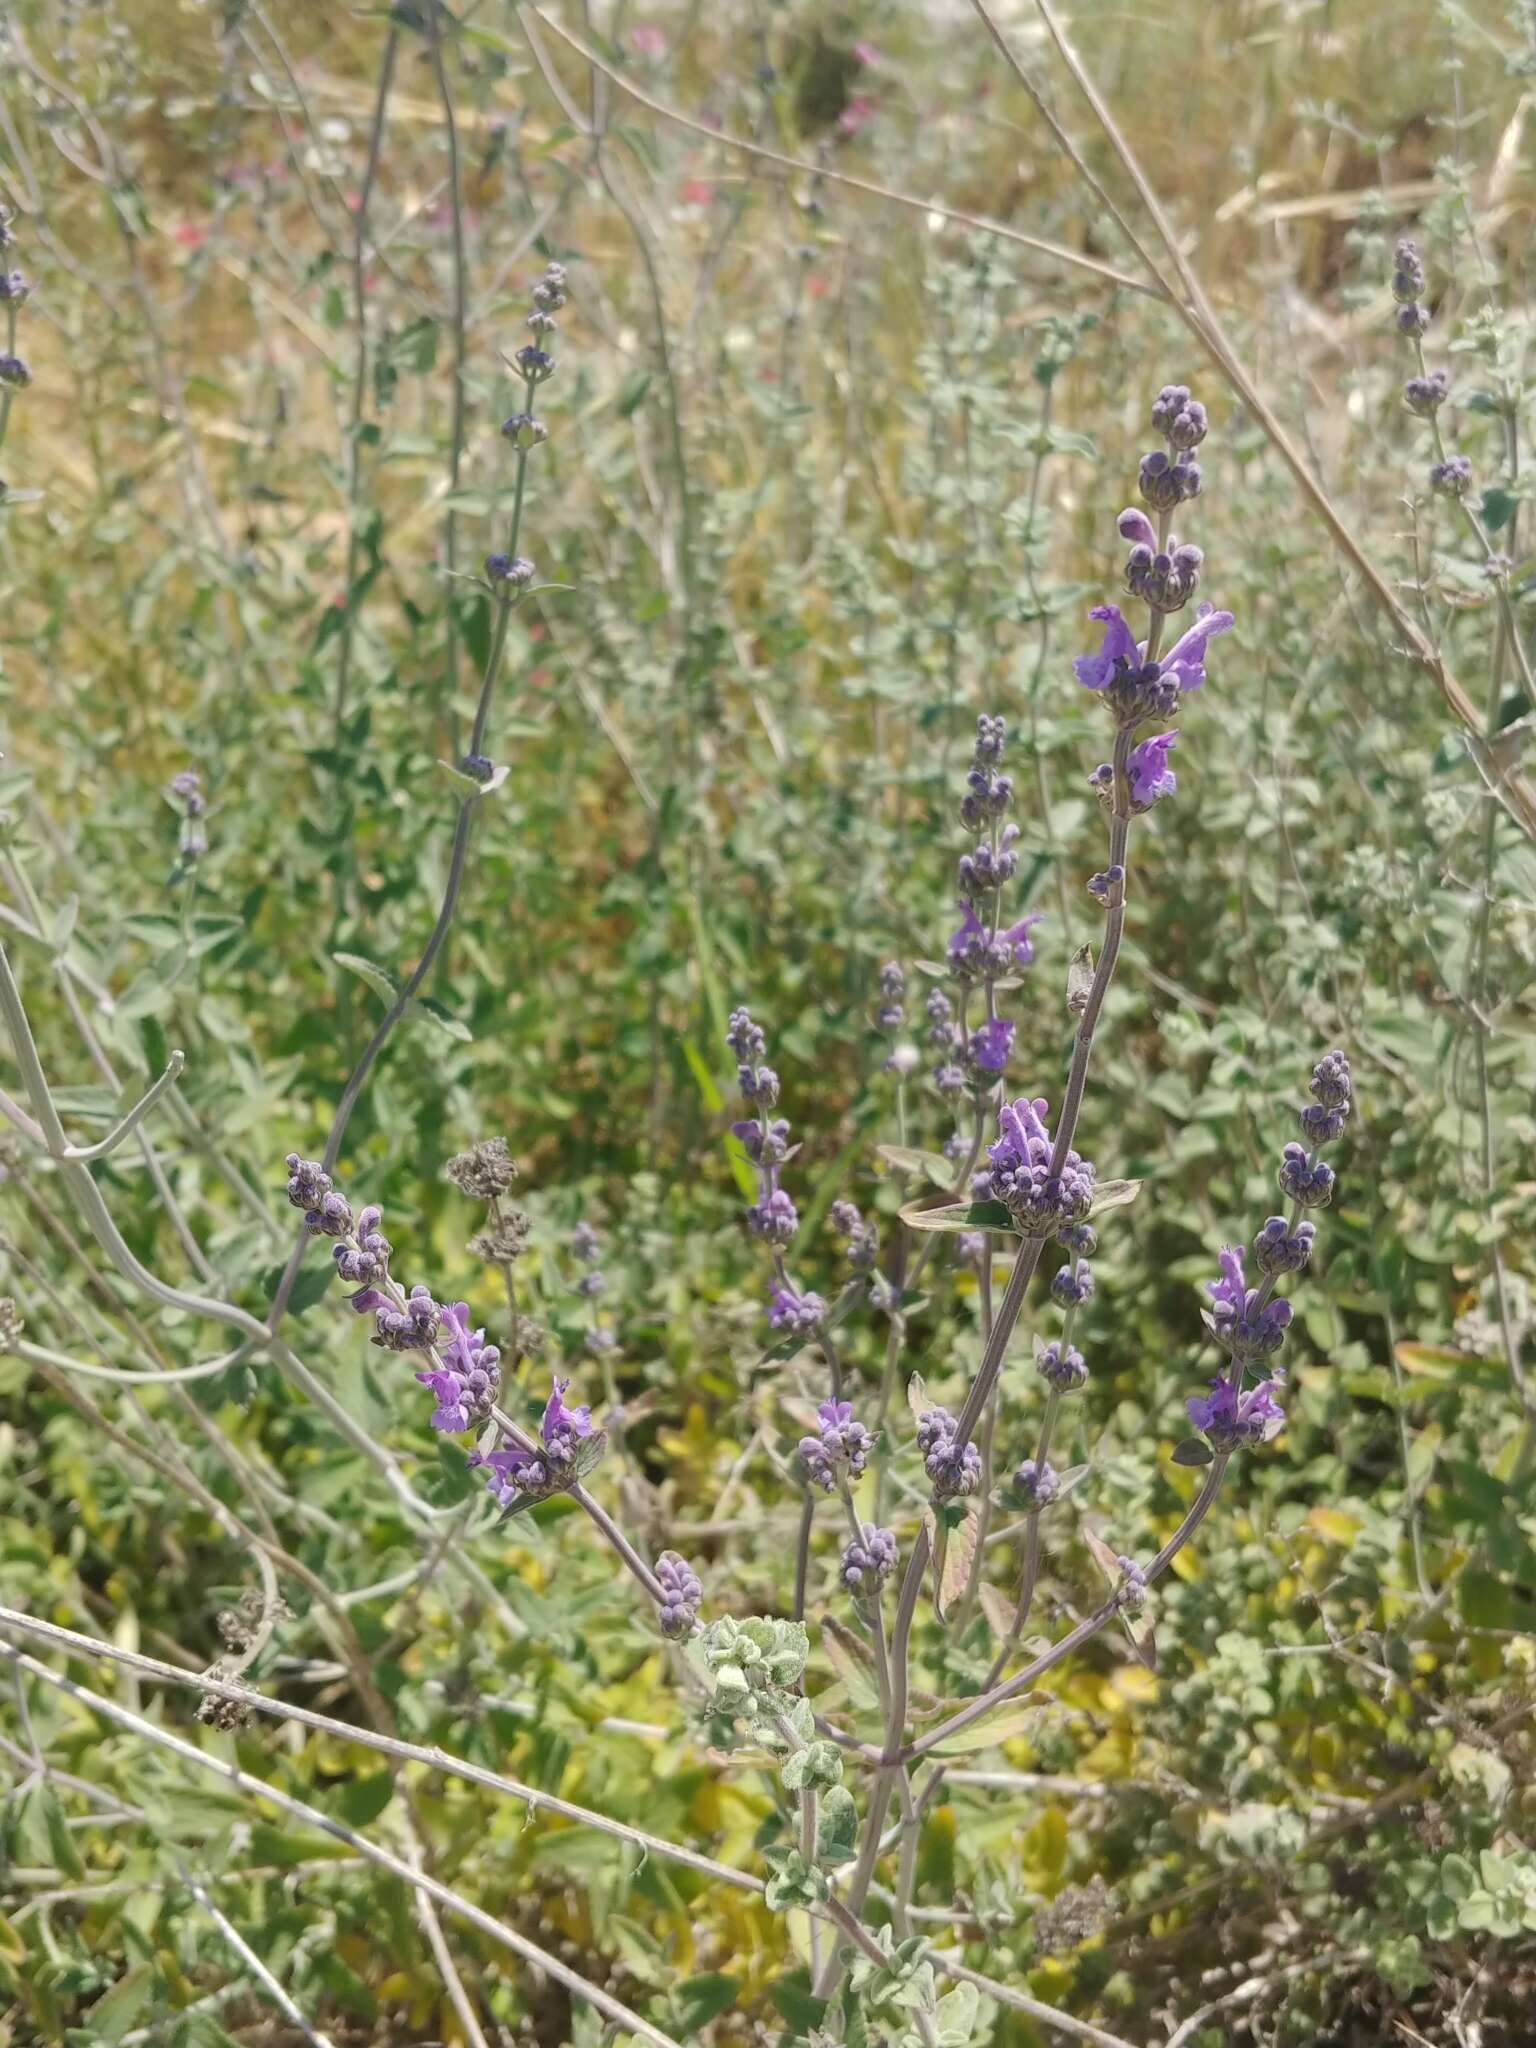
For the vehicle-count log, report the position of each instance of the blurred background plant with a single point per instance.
(826, 477)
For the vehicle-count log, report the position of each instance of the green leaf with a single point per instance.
(365, 1798)
(705, 1998)
(434, 1012)
(1193, 1450)
(1114, 1194)
(1458, 1880)
(379, 979)
(960, 1216)
(912, 1159)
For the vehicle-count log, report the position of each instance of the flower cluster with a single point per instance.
(1450, 476)
(186, 792)
(679, 1610)
(15, 289)
(461, 1370)
(1040, 1199)
(765, 1140)
(1062, 1366)
(841, 1446)
(954, 1469)
(1037, 1482)
(868, 1560)
(518, 1475)
(1250, 1323)
(510, 575)
(863, 1238)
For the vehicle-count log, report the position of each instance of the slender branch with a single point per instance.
(135, 1116)
(528, 1951)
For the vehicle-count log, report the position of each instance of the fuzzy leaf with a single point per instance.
(968, 1215)
(917, 1396)
(911, 1159)
(1114, 1194)
(1193, 1450)
(959, 1555)
(379, 979)
(998, 1609)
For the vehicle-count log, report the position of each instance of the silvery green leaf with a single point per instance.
(966, 1216)
(1193, 1451)
(912, 1159)
(590, 1450)
(1114, 1194)
(379, 979)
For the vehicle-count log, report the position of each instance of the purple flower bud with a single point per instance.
(953, 1469)
(413, 1327)
(841, 1444)
(1237, 1321)
(1408, 280)
(534, 364)
(682, 1593)
(1276, 1250)
(799, 1315)
(869, 1560)
(524, 431)
(1072, 1285)
(14, 373)
(774, 1218)
(1425, 395)
(1131, 1593)
(1062, 1366)
(1037, 1484)
(1331, 1083)
(1451, 478)
(1306, 1182)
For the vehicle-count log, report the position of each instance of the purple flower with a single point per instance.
(968, 944)
(774, 1217)
(1016, 939)
(1236, 1320)
(1228, 1419)
(1039, 1201)
(452, 1410)
(473, 1365)
(1149, 774)
(991, 1044)
(561, 1425)
(798, 1315)
(1277, 1250)
(1184, 662)
(840, 1443)
(518, 1473)
(1072, 1284)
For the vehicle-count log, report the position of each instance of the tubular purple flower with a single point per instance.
(1229, 1419)
(1148, 771)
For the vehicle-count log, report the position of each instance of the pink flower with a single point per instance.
(648, 39)
(866, 53)
(190, 233)
(858, 112)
